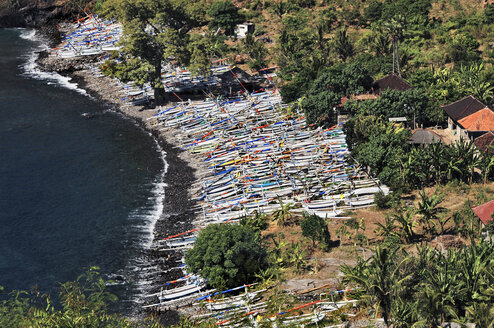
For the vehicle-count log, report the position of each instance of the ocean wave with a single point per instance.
(154, 213)
(31, 69)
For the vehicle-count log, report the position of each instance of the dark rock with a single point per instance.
(25, 13)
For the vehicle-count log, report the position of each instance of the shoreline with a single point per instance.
(182, 169)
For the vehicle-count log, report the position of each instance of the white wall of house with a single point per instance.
(243, 29)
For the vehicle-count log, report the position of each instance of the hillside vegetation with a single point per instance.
(421, 258)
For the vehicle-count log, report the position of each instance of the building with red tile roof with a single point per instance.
(484, 212)
(482, 120)
(485, 143)
(469, 117)
(462, 108)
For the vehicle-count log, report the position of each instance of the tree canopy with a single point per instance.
(227, 255)
(156, 32)
(224, 14)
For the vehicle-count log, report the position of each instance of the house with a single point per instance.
(485, 143)
(424, 137)
(469, 117)
(243, 29)
(484, 212)
(391, 81)
(237, 79)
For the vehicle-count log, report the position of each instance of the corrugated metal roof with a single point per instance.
(424, 136)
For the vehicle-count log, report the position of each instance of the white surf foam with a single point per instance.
(159, 197)
(32, 70)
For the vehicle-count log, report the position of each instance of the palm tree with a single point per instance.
(283, 215)
(380, 278)
(380, 44)
(471, 75)
(395, 28)
(298, 258)
(436, 153)
(466, 158)
(280, 8)
(406, 224)
(343, 45)
(428, 208)
(439, 291)
(486, 164)
(387, 229)
(475, 266)
(481, 313)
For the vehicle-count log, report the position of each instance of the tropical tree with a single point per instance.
(343, 46)
(429, 210)
(315, 228)
(406, 224)
(387, 229)
(283, 215)
(224, 14)
(466, 159)
(440, 288)
(227, 255)
(80, 303)
(155, 32)
(395, 28)
(380, 278)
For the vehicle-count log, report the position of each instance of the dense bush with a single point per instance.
(227, 255)
(430, 288)
(316, 228)
(82, 303)
(224, 14)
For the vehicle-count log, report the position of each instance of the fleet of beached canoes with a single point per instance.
(259, 159)
(91, 36)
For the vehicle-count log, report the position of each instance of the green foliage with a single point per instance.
(383, 148)
(406, 224)
(343, 80)
(283, 215)
(83, 303)
(227, 255)
(326, 90)
(463, 48)
(154, 32)
(224, 14)
(257, 222)
(316, 228)
(406, 8)
(320, 108)
(414, 104)
(430, 288)
(429, 210)
(373, 11)
(489, 14)
(383, 201)
(256, 51)
(380, 278)
(343, 46)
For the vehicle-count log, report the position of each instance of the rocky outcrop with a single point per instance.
(36, 13)
(64, 66)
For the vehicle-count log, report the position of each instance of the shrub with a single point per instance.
(383, 201)
(227, 255)
(224, 14)
(316, 228)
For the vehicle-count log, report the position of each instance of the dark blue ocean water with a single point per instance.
(74, 191)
